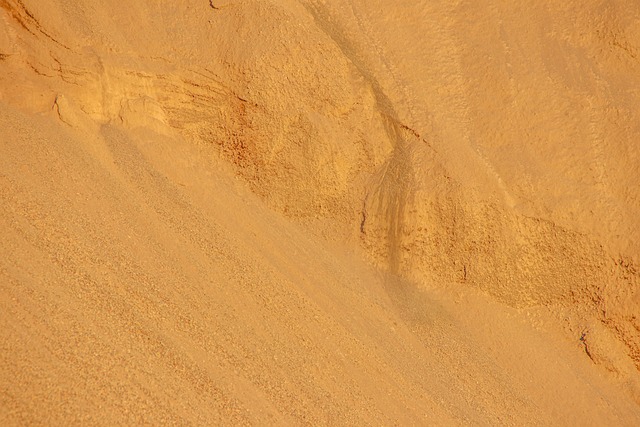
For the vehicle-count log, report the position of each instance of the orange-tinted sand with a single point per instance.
(321, 212)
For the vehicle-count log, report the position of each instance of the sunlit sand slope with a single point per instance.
(319, 212)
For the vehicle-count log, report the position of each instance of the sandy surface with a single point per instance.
(319, 212)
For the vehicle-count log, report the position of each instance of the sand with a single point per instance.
(319, 212)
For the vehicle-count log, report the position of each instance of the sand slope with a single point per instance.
(319, 212)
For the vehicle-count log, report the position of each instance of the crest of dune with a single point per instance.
(319, 212)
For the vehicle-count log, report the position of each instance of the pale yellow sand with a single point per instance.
(319, 212)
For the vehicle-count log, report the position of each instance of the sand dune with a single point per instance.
(319, 212)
